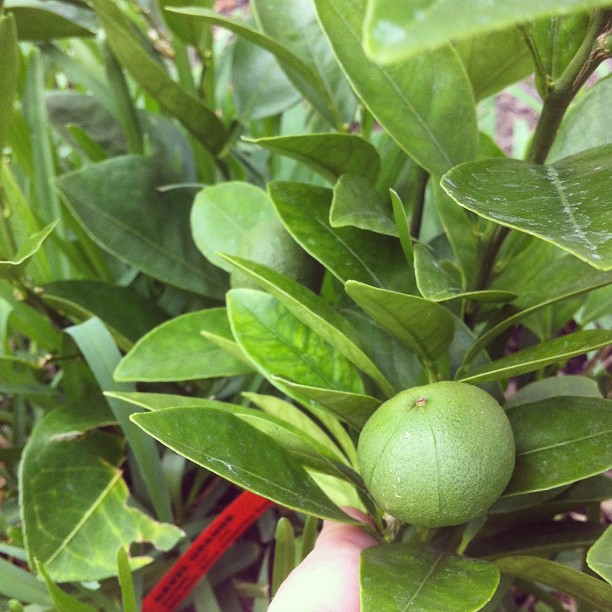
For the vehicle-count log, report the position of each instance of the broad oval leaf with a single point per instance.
(12, 268)
(348, 252)
(176, 350)
(396, 30)
(561, 578)
(430, 579)
(554, 386)
(568, 203)
(416, 100)
(560, 440)
(119, 204)
(280, 344)
(329, 155)
(556, 351)
(423, 326)
(237, 451)
(599, 556)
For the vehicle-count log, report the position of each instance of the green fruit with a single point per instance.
(437, 455)
(269, 244)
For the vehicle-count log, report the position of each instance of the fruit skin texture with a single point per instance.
(437, 455)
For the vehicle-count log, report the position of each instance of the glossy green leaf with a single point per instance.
(416, 100)
(295, 25)
(223, 214)
(495, 60)
(63, 601)
(307, 81)
(176, 350)
(9, 72)
(554, 386)
(260, 87)
(558, 441)
(317, 314)
(423, 326)
(199, 120)
(190, 31)
(599, 556)
(329, 155)
(396, 30)
(561, 578)
(280, 344)
(284, 553)
(556, 351)
(352, 408)
(349, 253)
(12, 268)
(356, 202)
(587, 123)
(402, 227)
(436, 283)
(430, 580)
(39, 20)
(128, 314)
(237, 451)
(93, 497)
(120, 206)
(568, 203)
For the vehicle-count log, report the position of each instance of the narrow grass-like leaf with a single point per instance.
(561, 578)
(431, 580)
(237, 451)
(284, 553)
(559, 440)
(17, 583)
(63, 601)
(556, 351)
(9, 72)
(126, 582)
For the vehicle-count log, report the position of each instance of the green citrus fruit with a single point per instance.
(268, 243)
(437, 455)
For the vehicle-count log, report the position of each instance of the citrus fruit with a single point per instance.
(268, 243)
(437, 455)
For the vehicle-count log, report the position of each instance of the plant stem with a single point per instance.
(416, 219)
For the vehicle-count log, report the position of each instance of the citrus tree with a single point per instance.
(232, 242)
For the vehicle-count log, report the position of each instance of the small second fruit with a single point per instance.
(437, 455)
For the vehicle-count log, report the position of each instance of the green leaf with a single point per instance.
(128, 314)
(102, 356)
(556, 351)
(568, 203)
(317, 314)
(356, 202)
(284, 553)
(190, 31)
(280, 344)
(307, 81)
(17, 583)
(436, 283)
(396, 30)
(62, 600)
(561, 578)
(39, 20)
(599, 556)
(587, 123)
(223, 214)
(120, 206)
(9, 72)
(349, 253)
(554, 386)
(12, 268)
(237, 451)
(352, 408)
(297, 28)
(559, 440)
(430, 580)
(329, 155)
(93, 497)
(199, 120)
(260, 87)
(423, 326)
(176, 350)
(416, 100)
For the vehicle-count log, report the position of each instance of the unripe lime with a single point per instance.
(437, 455)
(268, 243)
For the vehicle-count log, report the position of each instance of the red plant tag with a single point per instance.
(205, 550)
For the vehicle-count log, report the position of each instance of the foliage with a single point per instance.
(142, 142)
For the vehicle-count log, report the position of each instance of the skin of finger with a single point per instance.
(328, 578)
